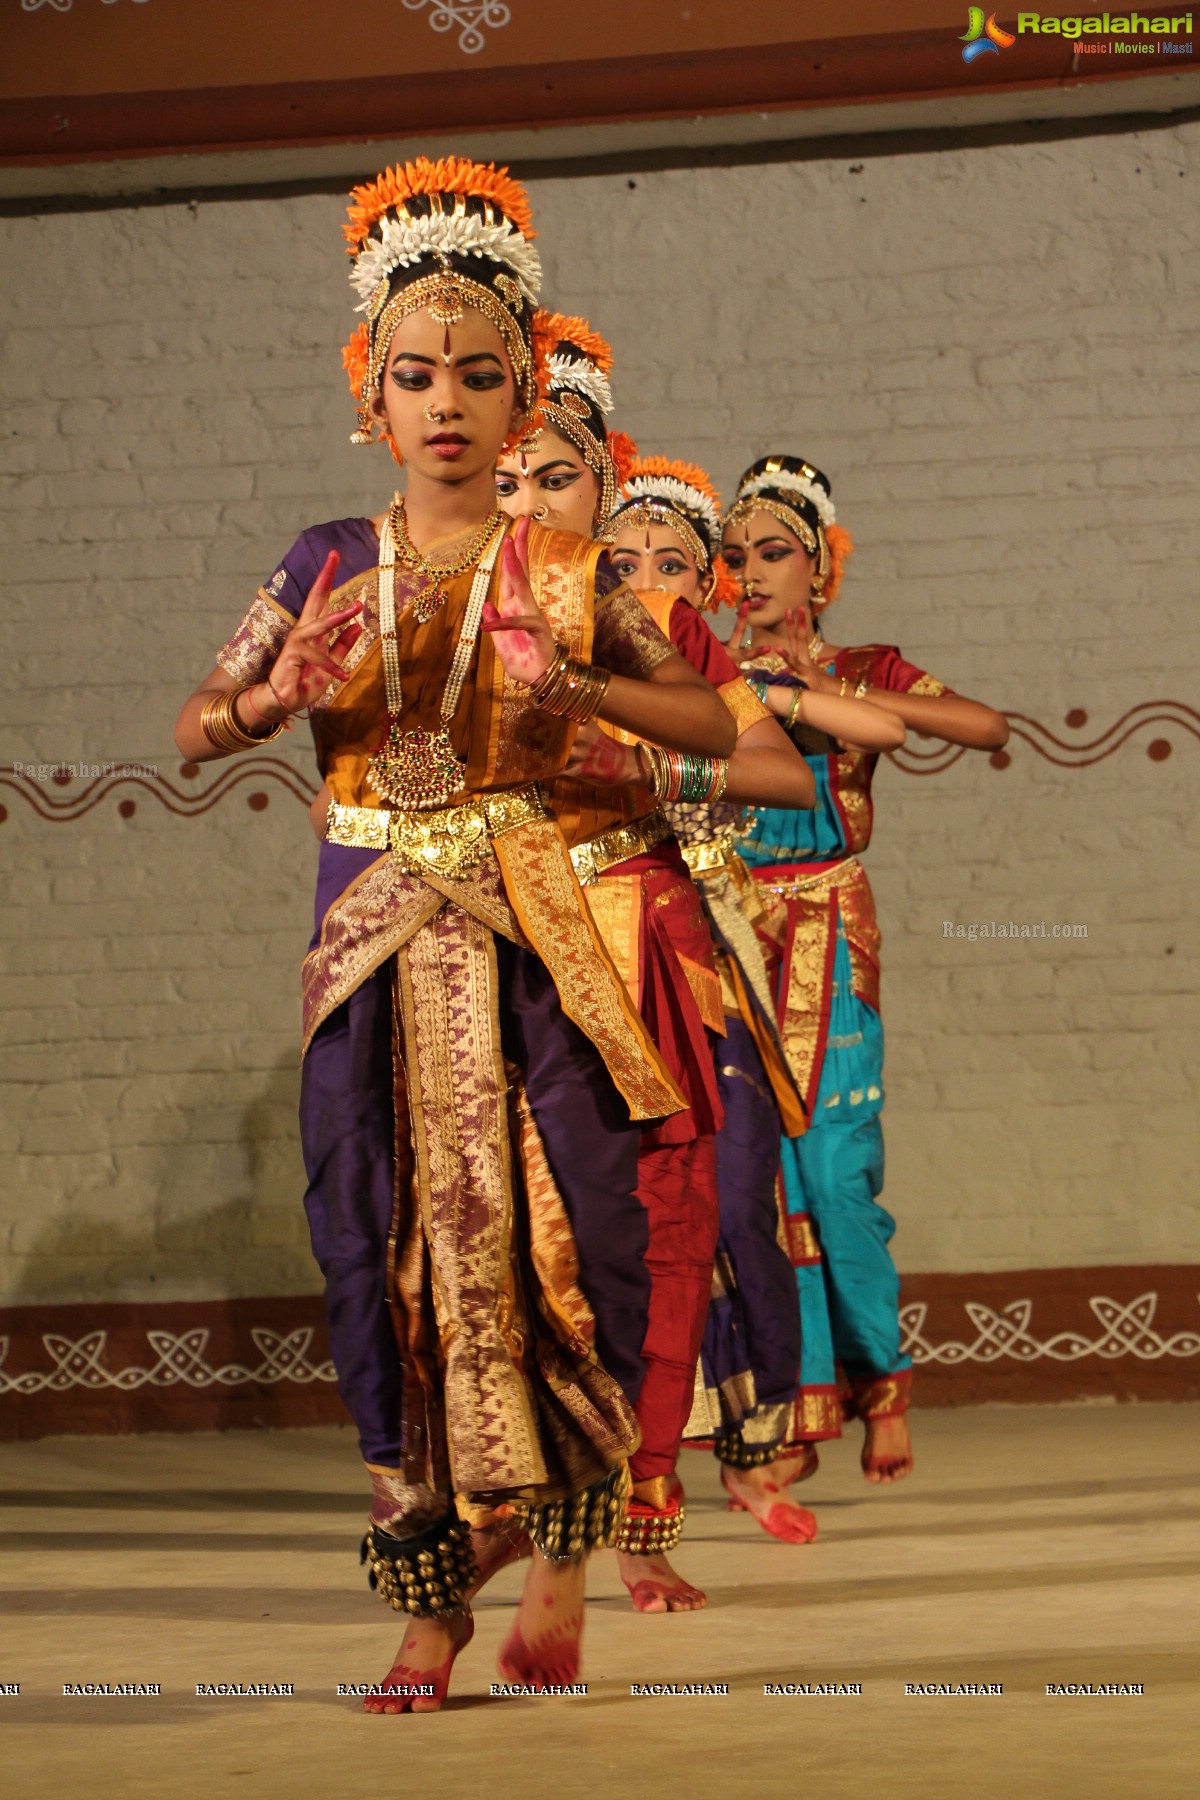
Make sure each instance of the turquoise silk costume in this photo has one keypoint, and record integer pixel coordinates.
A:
(823, 950)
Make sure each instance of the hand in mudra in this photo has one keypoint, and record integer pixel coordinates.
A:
(795, 633)
(739, 651)
(317, 645)
(520, 630)
(599, 759)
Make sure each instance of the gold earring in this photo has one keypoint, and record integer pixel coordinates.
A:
(363, 432)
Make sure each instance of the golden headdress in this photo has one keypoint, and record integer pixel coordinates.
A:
(800, 496)
(574, 364)
(679, 495)
(441, 236)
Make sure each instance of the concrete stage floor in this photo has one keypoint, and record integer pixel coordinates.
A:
(1033, 1545)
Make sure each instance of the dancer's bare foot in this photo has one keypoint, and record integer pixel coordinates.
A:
(654, 1587)
(542, 1650)
(419, 1678)
(761, 1493)
(887, 1449)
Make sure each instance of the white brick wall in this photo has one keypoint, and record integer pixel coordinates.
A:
(992, 351)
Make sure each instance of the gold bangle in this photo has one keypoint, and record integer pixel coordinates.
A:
(659, 779)
(793, 709)
(548, 679)
(569, 689)
(252, 737)
(223, 729)
(845, 683)
(720, 779)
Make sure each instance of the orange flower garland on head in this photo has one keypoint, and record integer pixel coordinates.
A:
(451, 175)
(623, 451)
(841, 546)
(554, 328)
(727, 589)
(689, 473)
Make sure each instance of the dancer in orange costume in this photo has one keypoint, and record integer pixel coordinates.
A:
(447, 664)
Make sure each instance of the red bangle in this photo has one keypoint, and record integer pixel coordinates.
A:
(286, 721)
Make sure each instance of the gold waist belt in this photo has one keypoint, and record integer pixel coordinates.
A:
(714, 853)
(831, 876)
(442, 841)
(618, 844)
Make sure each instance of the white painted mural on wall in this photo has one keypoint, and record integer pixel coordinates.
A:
(65, 5)
(1127, 1331)
(471, 17)
(178, 1359)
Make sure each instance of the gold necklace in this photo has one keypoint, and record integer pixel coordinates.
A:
(421, 768)
(426, 604)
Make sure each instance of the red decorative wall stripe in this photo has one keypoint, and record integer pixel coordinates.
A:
(1044, 1335)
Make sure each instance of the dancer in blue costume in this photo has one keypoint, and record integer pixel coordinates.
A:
(782, 541)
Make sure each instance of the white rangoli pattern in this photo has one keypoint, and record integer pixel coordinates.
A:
(64, 5)
(179, 1360)
(1127, 1331)
(471, 17)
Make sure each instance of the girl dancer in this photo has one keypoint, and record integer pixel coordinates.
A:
(446, 675)
(782, 541)
(768, 1374)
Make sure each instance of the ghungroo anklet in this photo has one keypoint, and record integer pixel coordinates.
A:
(588, 1520)
(737, 1454)
(647, 1530)
(427, 1574)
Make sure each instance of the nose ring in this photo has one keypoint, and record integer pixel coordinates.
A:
(433, 415)
(539, 512)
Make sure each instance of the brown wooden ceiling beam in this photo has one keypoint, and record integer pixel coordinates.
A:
(915, 65)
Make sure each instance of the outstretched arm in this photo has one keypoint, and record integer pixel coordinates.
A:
(951, 717)
(854, 723)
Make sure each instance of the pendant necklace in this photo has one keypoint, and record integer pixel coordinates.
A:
(420, 769)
